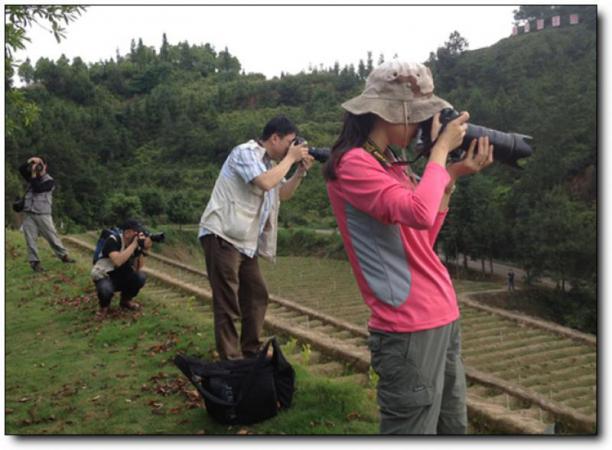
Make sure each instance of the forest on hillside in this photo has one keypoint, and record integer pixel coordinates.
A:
(145, 133)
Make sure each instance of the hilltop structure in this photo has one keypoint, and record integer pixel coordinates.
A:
(556, 21)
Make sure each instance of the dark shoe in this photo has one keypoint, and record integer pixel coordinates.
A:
(131, 305)
(36, 267)
(102, 313)
(67, 259)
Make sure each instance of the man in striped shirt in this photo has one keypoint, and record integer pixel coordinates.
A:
(240, 223)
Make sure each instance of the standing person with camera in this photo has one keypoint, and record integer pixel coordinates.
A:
(240, 223)
(37, 216)
(120, 267)
(389, 221)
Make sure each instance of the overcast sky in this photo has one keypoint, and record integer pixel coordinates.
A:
(275, 39)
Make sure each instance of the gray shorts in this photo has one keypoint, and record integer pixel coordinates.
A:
(421, 386)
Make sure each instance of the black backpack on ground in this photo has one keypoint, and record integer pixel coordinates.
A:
(243, 391)
(19, 204)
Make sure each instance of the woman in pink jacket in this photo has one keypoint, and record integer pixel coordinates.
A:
(389, 221)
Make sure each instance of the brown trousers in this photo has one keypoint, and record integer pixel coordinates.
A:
(239, 292)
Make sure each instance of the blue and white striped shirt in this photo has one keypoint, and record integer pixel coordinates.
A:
(246, 161)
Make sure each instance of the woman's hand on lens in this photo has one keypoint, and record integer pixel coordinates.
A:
(473, 162)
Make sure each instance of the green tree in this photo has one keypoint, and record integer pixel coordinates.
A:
(456, 44)
(17, 19)
(120, 207)
(369, 63)
(26, 71)
(180, 210)
(164, 52)
(153, 201)
(559, 239)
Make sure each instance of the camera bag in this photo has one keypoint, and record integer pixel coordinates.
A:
(243, 391)
(19, 204)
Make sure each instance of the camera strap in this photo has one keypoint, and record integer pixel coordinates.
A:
(373, 149)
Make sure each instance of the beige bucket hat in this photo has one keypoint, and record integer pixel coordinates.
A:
(398, 92)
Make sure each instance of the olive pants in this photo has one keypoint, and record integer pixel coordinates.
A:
(239, 293)
(421, 387)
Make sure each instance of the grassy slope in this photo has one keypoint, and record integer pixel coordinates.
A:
(66, 373)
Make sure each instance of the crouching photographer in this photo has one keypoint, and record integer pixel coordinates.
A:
(118, 263)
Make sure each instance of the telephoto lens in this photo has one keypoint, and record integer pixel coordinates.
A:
(508, 147)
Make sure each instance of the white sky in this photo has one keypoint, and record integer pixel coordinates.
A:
(271, 39)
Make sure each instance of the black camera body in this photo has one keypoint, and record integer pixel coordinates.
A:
(155, 237)
(38, 167)
(508, 147)
(320, 154)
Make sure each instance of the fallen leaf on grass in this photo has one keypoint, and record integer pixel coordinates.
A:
(163, 346)
(161, 390)
(66, 391)
(353, 415)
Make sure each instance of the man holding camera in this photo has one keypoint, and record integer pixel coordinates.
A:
(240, 223)
(120, 267)
(37, 211)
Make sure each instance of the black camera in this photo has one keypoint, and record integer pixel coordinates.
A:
(38, 167)
(155, 237)
(508, 147)
(320, 154)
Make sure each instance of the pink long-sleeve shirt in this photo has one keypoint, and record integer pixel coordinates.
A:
(389, 226)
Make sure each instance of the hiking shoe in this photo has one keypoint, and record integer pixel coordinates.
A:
(102, 313)
(67, 259)
(36, 267)
(131, 305)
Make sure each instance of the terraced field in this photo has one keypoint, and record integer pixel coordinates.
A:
(525, 375)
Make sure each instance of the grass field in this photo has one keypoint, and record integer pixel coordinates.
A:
(66, 373)
(325, 284)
